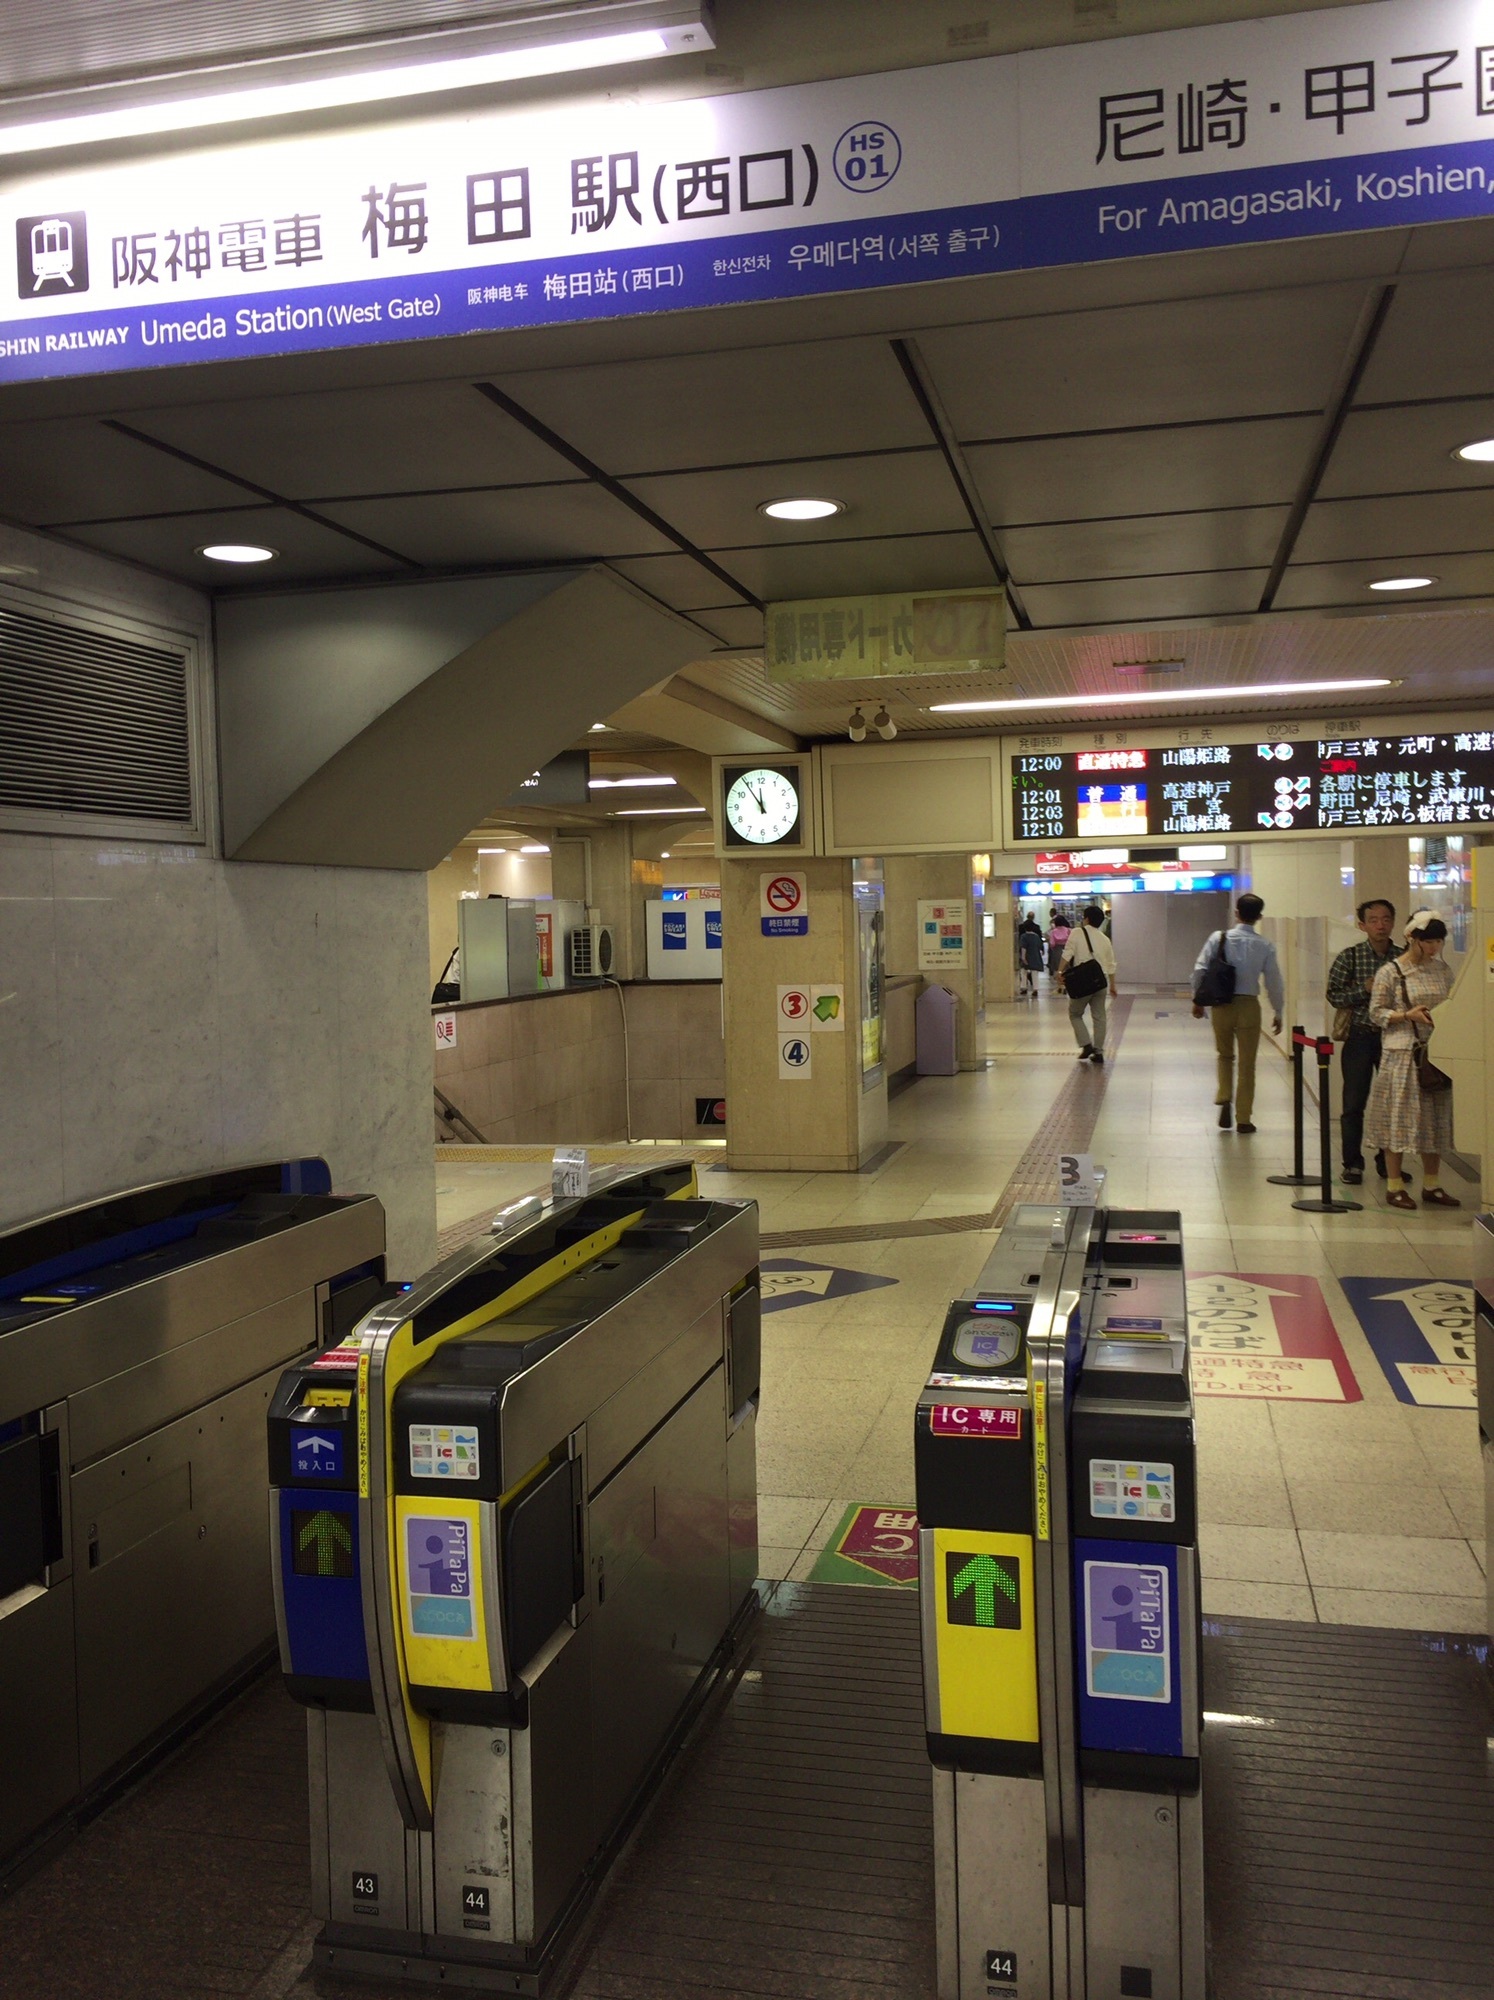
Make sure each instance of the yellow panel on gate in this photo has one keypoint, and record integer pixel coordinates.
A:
(986, 1634)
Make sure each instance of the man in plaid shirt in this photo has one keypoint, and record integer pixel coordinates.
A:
(1349, 983)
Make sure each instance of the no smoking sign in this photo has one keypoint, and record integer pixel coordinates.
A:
(783, 903)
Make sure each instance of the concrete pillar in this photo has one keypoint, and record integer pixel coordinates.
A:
(1382, 867)
(915, 878)
(825, 1120)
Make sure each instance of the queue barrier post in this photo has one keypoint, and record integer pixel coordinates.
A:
(1323, 1203)
(1298, 1177)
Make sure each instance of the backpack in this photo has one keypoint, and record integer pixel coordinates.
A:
(1216, 983)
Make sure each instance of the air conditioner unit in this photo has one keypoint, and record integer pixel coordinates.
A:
(591, 951)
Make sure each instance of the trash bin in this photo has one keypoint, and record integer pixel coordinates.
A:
(935, 1016)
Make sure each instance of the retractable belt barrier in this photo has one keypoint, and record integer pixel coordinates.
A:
(515, 1532)
(1059, 1593)
(1324, 1202)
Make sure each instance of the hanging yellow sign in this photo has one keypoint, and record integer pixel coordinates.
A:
(901, 632)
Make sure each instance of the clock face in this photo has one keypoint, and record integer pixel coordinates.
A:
(762, 807)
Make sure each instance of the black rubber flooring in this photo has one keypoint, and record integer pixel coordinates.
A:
(1349, 1827)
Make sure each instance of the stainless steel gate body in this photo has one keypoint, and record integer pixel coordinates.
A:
(140, 1338)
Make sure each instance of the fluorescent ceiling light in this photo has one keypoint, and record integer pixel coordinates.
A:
(535, 847)
(1402, 582)
(1129, 695)
(237, 552)
(1203, 854)
(649, 812)
(364, 86)
(599, 726)
(1480, 452)
(800, 510)
(492, 850)
(614, 784)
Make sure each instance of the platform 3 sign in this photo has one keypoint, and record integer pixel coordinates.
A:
(1349, 118)
(1421, 1331)
(1266, 1334)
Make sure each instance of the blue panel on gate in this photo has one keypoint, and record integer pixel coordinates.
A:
(674, 930)
(1126, 1631)
(320, 1584)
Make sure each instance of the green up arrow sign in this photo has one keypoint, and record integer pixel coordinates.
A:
(984, 1575)
(328, 1534)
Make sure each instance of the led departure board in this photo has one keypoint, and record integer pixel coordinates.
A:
(1246, 790)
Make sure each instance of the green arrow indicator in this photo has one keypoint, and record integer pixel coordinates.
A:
(985, 1576)
(827, 1006)
(328, 1536)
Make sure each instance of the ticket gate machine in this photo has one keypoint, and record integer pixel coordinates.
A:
(140, 1337)
(515, 1537)
(1059, 1592)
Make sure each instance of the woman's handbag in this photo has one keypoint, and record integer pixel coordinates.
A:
(1343, 1024)
(1084, 976)
(1431, 1079)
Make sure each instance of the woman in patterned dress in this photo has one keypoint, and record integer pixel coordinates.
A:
(1400, 1115)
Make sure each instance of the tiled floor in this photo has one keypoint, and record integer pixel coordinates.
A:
(1367, 1512)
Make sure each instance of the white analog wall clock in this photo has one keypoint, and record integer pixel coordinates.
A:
(762, 804)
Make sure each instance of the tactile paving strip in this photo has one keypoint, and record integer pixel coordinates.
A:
(1068, 1128)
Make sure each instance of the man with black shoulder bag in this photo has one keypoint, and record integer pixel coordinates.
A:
(1086, 976)
(1226, 985)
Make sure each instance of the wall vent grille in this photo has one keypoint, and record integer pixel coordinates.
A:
(94, 723)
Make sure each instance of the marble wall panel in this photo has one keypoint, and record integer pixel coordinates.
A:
(32, 1181)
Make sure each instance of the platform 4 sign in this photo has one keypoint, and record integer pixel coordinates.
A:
(1266, 1334)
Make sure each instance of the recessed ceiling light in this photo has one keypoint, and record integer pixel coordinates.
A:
(1267, 690)
(238, 552)
(614, 784)
(1480, 452)
(1148, 666)
(600, 726)
(800, 510)
(1402, 582)
(534, 847)
(656, 812)
(492, 850)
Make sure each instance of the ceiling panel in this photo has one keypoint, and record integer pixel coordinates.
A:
(78, 469)
(1435, 340)
(742, 627)
(1409, 450)
(709, 409)
(1208, 466)
(676, 580)
(1183, 361)
(837, 569)
(1387, 529)
(1325, 585)
(306, 550)
(414, 436)
(906, 493)
(521, 524)
(1129, 600)
(1146, 545)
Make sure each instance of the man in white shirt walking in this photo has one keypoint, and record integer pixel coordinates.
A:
(1237, 1021)
(1088, 991)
